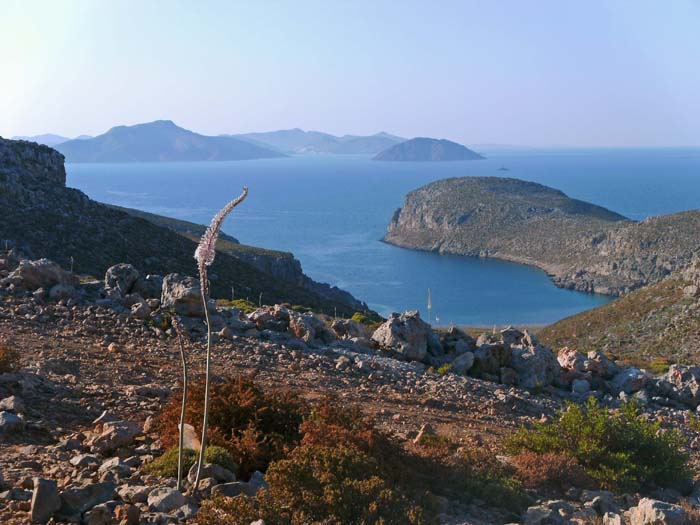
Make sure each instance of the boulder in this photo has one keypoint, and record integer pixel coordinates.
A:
(683, 384)
(12, 404)
(76, 500)
(10, 422)
(45, 500)
(456, 341)
(149, 287)
(63, 291)
(134, 493)
(462, 363)
(608, 369)
(409, 336)
(114, 434)
(40, 274)
(347, 329)
(120, 279)
(535, 365)
(166, 499)
(654, 512)
(511, 336)
(571, 359)
(212, 470)
(489, 358)
(580, 386)
(141, 311)
(310, 329)
(183, 294)
(275, 318)
(630, 380)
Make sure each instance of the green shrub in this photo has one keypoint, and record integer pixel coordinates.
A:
(444, 369)
(166, 465)
(337, 485)
(621, 450)
(245, 306)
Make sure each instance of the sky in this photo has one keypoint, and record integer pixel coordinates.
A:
(540, 72)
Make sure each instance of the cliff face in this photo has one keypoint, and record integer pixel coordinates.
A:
(45, 219)
(581, 246)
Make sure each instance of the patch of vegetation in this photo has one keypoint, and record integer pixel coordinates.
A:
(166, 465)
(619, 449)
(9, 360)
(243, 305)
(256, 427)
(551, 470)
(444, 369)
(434, 441)
(370, 320)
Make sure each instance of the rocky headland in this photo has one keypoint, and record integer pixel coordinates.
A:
(580, 245)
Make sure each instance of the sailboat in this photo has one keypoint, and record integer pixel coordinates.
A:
(430, 305)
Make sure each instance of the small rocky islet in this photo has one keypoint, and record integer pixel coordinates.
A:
(97, 362)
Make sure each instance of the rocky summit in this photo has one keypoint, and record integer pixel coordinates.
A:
(423, 149)
(43, 218)
(580, 245)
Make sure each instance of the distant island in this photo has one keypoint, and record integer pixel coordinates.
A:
(427, 150)
(298, 141)
(161, 140)
(580, 245)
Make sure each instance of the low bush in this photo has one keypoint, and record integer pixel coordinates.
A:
(552, 470)
(166, 465)
(620, 449)
(319, 485)
(254, 426)
(9, 360)
(444, 369)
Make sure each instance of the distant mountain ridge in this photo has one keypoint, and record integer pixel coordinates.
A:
(299, 141)
(160, 141)
(422, 149)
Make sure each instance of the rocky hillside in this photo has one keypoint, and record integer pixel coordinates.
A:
(43, 218)
(652, 326)
(425, 149)
(580, 245)
(158, 141)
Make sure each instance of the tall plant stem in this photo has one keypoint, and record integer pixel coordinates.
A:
(205, 423)
(181, 443)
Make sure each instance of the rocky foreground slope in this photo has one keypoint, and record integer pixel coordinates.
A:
(43, 218)
(98, 363)
(580, 245)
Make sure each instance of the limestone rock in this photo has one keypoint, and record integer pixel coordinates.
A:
(45, 500)
(408, 335)
(120, 279)
(183, 294)
(654, 512)
(40, 274)
(165, 499)
(76, 500)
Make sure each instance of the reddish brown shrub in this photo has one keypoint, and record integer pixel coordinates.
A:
(550, 471)
(256, 427)
(9, 360)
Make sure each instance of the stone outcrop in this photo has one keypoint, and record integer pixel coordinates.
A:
(409, 336)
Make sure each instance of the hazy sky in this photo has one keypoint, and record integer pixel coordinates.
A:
(516, 72)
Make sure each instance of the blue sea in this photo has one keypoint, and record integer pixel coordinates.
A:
(332, 211)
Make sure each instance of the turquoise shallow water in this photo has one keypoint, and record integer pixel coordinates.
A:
(331, 212)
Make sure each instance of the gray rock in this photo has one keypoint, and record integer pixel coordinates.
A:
(347, 329)
(40, 274)
(45, 500)
(120, 279)
(10, 422)
(115, 465)
(310, 329)
(462, 363)
(535, 365)
(230, 490)
(149, 287)
(183, 294)
(212, 470)
(630, 380)
(63, 291)
(76, 500)
(683, 384)
(166, 499)
(140, 311)
(134, 493)
(580, 386)
(84, 460)
(408, 335)
(12, 404)
(115, 434)
(489, 358)
(654, 512)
